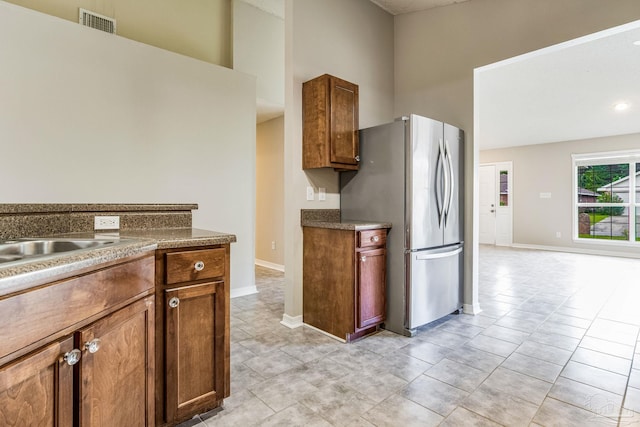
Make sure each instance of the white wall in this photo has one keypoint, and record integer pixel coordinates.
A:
(437, 50)
(258, 49)
(270, 191)
(352, 40)
(87, 117)
(548, 168)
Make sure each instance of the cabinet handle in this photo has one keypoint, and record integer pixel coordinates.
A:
(174, 302)
(72, 357)
(92, 346)
(375, 238)
(357, 158)
(363, 258)
(199, 265)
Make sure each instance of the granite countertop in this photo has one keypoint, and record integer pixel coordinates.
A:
(347, 225)
(330, 218)
(15, 277)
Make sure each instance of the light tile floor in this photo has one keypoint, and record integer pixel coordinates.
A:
(555, 345)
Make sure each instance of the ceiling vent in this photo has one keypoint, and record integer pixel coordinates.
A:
(97, 21)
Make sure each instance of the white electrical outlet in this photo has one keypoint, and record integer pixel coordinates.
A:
(273, 245)
(322, 193)
(106, 223)
(310, 195)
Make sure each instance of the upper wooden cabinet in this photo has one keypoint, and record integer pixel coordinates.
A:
(330, 124)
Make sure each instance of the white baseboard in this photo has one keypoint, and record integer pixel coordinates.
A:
(576, 250)
(240, 292)
(291, 322)
(270, 265)
(471, 308)
(325, 333)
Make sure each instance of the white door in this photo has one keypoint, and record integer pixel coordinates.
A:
(496, 204)
(504, 204)
(488, 204)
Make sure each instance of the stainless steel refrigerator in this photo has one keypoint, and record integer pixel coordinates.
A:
(411, 174)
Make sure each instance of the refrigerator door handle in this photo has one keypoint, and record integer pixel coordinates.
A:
(438, 184)
(450, 182)
(440, 255)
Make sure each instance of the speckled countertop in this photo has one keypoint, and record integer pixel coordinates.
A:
(18, 276)
(330, 218)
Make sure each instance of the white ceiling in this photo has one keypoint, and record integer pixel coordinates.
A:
(566, 92)
(397, 7)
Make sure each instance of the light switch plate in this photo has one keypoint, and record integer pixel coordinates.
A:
(322, 193)
(310, 194)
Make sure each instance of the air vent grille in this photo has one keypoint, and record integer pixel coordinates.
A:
(97, 21)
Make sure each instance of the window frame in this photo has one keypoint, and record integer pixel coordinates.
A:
(630, 157)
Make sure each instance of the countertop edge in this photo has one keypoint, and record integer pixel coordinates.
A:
(347, 225)
(22, 276)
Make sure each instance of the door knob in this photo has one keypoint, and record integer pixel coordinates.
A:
(72, 357)
(93, 346)
(174, 302)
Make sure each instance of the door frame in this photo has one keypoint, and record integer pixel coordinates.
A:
(504, 214)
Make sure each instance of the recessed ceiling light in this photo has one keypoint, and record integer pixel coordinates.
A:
(621, 106)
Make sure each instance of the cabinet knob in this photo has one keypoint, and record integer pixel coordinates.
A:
(72, 357)
(375, 238)
(199, 265)
(174, 302)
(357, 158)
(92, 346)
(363, 258)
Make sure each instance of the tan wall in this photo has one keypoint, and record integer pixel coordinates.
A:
(270, 190)
(197, 28)
(437, 50)
(352, 40)
(548, 168)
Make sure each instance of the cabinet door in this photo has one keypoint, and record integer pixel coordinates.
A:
(194, 348)
(37, 390)
(344, 122)
(116, 371)
(370, 298)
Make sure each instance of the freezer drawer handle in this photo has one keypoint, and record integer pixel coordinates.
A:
(440, 255)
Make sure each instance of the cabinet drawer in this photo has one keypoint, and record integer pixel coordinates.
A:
(194, 265)
(369, 238)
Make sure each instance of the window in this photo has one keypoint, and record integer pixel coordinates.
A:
(504, 188)
(607, 197)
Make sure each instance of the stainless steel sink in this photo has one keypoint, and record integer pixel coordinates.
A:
(20, 249)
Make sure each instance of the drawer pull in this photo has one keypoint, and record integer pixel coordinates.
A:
(363, 258)
(199, 265)
(375, 238)
(72, 357)
(93, 346)
(174, 302)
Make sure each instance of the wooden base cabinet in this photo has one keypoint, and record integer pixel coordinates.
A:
(192, 332)
(84, 356)
(344, 280)
(38, 389)
(114, 368)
